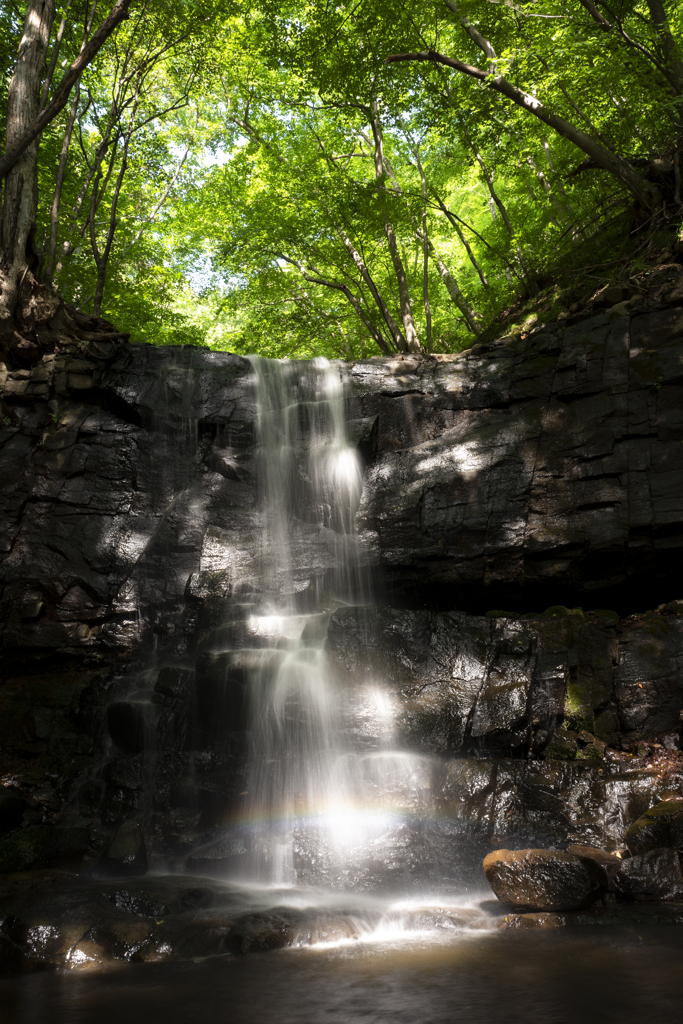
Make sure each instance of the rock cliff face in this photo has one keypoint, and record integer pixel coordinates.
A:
(535, 471)
(503, 685)
(523, 472)
(545, 468)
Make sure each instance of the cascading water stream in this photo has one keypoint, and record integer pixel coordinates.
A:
(311, 481)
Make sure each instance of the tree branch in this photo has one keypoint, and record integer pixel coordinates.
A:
(118, 13)
(647, 194)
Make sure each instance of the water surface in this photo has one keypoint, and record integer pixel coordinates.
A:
(573, 976)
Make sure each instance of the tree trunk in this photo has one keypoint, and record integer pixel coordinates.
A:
(57, 194)
(494, 198)
(45, 91)
(20, 195)
(468, 248)
(669, 48)
(317, 278)
(102, 259)
(412, 342)
(425, 269)
(394, 330)
(470, 314)
(31, 314)
(66, 143)
(33, 129)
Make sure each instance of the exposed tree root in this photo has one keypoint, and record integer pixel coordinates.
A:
(44, 323)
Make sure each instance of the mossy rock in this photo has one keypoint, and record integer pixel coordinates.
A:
(661, 826)
(589, 753)
(604, 615)
(560, 611)
(578, 707)
(28, 846)
(39, 844)
(606, 726)
(561, 747)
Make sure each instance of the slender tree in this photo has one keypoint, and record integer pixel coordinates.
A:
(22, 300)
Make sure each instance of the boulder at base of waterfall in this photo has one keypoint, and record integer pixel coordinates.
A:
(609, 862)
(654, 875)
(544, 879)
(288, 926)
(661, 826)
(126, 854)
(617, 914)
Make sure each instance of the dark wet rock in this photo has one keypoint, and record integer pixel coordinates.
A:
(41, 844)
(131, 724)
(466, 681)
(602, 857)
(67, 921)
(563, 746)
(25, 848)
(287, 926)
(126, 854)
(519, 466)
(659, 826)
(525, 467)
(12, 806)
(174, 682)
(432, 918)
(462, 808)
(271, 929)
(219, 857)
(522, 474)
(544, 879)
(621, 915)
(654, 875)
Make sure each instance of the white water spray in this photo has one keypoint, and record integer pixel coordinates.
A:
(312, 799)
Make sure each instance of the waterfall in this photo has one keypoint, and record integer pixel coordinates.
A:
(278, 768)
(310, 481)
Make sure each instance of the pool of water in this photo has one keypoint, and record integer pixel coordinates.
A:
(566, 976)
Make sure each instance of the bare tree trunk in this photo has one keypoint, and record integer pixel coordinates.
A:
(102, 259)
(412, 342)
(545, 185)
(20, 195)
(317, 278)
(468, 248)
(470, 314)
(66, 143)
(31, 130)
(488, 178)
(394, 330)
(45, 92)
(57, 194)
(582, 114)
(425, 269)
(595, 14)
(669, 48)
(495, 198)
(73, 231)
(557, 183)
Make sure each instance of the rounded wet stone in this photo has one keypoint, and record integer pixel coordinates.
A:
(544, 879)
(661, 826)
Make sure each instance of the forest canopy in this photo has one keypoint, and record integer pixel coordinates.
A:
(343, 178)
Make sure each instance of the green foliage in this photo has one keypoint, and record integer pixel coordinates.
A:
(252, 213)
